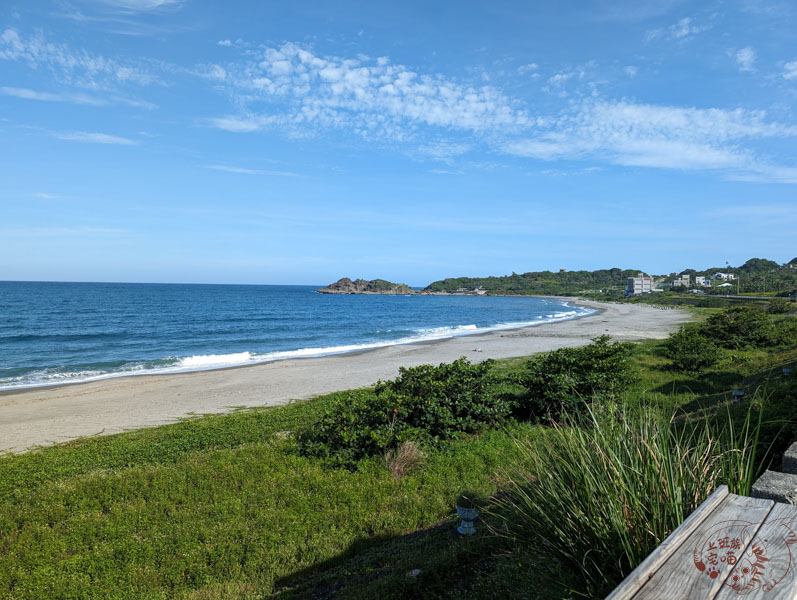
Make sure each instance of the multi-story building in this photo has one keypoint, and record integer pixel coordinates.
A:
(682, 280)
(702, 281)
(639, 285)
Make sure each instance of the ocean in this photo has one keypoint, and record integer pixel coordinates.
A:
(55, 333)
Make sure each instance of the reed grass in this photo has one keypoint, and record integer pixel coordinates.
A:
(596, 497)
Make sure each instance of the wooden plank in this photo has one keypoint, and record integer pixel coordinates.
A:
(697, 568)
(648, 567)
(767, 568)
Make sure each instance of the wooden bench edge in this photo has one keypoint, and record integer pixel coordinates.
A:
(639, 576)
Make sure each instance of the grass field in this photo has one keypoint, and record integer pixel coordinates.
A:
(223, 506)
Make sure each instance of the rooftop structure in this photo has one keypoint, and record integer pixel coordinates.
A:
(723, 276)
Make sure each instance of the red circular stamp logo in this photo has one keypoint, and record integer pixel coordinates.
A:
(747, 556)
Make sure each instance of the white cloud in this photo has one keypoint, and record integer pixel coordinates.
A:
(373, 98)
(211, 71)
(96, 138)
(685, 28)
(27, 94)
(444, 172)
(244, 171)
(46, 196)
(76, 67)
(142, 5)
(790, 70)
(64, 231)
(630, 70)
(658, 136)
(682, 30)
(224, 43)
(244, 124)
(746, 58)
(444, 150)
(74, 98)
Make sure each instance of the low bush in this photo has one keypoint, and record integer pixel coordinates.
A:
(778, 306)
(740, 327)
(565, 379)
(786, 331)
(690, 350)
(713, 302)
(425, 403)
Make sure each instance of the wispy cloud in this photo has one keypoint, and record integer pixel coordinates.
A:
(684, 29)
(95, 138)
(790, 70)
(27, 94)
(244, 171)
(445, 119)
(635, 10)
(444, 150)
(770, 212)
(74, 98)
(659, 136)
(64, 231)
(746, 58)
(242, 124)
(76, 67)
(47, 196)
(142, 5)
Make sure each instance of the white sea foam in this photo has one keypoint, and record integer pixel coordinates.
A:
(204, 361)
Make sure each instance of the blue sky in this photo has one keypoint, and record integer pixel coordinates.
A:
(188, 141)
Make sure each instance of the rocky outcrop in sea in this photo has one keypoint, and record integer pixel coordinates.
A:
(361, 286)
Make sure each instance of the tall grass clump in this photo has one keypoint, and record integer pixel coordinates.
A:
(597, 496)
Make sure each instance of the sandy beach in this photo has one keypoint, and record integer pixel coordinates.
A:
(45, 416)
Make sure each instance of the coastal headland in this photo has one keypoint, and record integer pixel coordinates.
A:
(45, 416)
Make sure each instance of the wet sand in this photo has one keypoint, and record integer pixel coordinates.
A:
(45, 416)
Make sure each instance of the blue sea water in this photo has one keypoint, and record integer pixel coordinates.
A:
(54, 333)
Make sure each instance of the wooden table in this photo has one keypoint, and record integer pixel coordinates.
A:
(730, 547)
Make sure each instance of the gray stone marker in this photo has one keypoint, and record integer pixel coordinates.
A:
(780, 487)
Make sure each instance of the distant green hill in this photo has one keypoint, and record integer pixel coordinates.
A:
(544, 283)
(757, 275)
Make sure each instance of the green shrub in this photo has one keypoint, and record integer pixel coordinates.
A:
(713, 302)
(690, 350)
(596, 499)
(565, 379)
(778, 306)
(424, 403)
(740, 327)
(786, 331)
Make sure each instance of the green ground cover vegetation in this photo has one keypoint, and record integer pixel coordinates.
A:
(344, 495)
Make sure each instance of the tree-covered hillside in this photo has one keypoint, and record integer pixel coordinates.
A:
(545, 283)
(757, 275)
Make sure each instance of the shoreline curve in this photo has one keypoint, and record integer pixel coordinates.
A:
(43, 416)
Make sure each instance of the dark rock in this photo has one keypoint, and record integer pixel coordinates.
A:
(361, 286)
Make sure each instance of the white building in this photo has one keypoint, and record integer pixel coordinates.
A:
(702, 281)
(639, 285)
(723, 276)
(682, 280)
